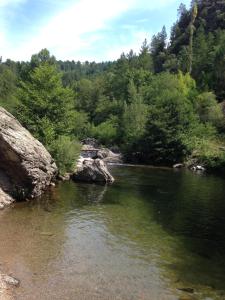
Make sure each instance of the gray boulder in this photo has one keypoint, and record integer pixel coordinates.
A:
(92, 170)
(26, 167)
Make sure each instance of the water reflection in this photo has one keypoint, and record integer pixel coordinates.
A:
(150, 233)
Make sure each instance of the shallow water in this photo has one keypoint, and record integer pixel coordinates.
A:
(151, 233)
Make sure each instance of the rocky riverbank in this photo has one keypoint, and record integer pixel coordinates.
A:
(26, 170)
(26, 167)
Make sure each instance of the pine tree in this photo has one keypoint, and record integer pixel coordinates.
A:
(192, 28)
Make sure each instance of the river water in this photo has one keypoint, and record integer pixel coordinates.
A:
(154, 234)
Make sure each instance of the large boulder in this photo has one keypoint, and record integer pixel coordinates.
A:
(92, 170)
(26, 167)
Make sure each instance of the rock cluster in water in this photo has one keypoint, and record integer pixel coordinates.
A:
(26, 167)
(92, 170)
(92, 149)
(92, 164)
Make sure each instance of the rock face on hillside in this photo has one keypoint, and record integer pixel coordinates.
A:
(92, 170)
(26, 167)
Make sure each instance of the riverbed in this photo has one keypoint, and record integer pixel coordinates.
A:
(154, 234)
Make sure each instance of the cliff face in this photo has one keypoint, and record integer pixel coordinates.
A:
(26, 167)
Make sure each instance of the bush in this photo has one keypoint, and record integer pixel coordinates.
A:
(65, 151)
(209, 110)
(205, 147)
(106, 132)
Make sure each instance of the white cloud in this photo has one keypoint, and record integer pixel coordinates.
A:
(64, 34)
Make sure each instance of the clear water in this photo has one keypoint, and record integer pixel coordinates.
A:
(151, 233)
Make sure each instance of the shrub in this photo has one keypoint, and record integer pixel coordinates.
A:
(65, 152)
(106, 132)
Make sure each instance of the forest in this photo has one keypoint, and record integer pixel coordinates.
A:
(160, 106)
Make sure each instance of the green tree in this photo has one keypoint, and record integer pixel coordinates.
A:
(134, 118)
(158, 50)
(209, 110)
(46, 108)
(192, 28)
(170, 115)
(145, 58)
(8, 87)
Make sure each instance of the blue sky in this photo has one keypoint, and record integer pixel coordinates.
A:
(82, 30)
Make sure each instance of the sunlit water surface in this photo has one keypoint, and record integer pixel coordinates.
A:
(150, 234)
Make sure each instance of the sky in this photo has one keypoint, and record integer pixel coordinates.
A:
(93, 30)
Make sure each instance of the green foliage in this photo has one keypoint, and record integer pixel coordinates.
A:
(8, 86)
(46, 108)
(161, 105)
(158, 50)
(205, 146)
(106, 132)
(209, 110)
(65, 151)
(171, 113)
(45, 103)
(134, 118)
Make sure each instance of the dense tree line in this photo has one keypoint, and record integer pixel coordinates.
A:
(159, 106)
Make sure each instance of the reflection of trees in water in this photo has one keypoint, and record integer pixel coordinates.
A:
(173, 220)
(178, 216)
(191, 208)
(90, 193)
(40, 224)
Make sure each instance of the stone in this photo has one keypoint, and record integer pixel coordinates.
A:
(5, 199)
(11, 280)
(64, 177)
(92, 170)
(198, 168)
(26, 167)
(109, 157)
(178, 166)
(187, 290)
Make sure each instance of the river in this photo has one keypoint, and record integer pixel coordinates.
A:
(154, 234)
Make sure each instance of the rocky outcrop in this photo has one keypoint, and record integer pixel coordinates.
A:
(89, 151)
(92, 170)
(26, 167)
(110, 157)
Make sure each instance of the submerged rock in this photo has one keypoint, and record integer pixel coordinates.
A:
(26, 167)
(92, 170)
